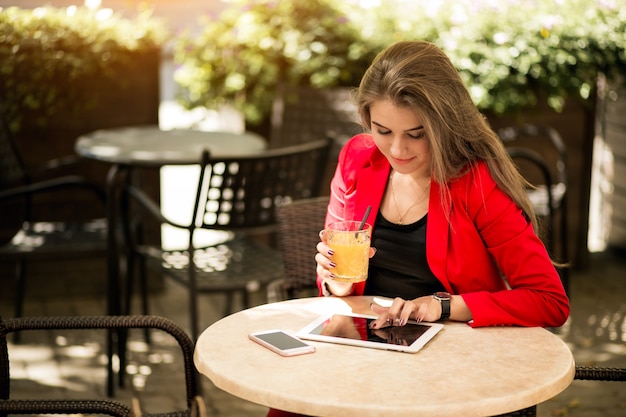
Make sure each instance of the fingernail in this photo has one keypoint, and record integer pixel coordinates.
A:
(333, 265)
(373, 325)
(331, 252)
(331, 276)
(402, 322)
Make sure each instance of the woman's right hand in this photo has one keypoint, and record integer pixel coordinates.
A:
(324, 258)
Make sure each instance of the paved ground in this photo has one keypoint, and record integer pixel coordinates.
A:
(69, 364)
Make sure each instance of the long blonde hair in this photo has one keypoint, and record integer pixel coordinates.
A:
(419, 76)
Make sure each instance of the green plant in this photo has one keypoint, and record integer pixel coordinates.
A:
(48, 54)
(248, 52)
(511, 53)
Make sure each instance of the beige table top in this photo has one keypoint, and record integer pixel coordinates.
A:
(149, 145)
(462, 371)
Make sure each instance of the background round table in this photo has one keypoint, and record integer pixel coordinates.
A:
(151, 146)
(462, 371)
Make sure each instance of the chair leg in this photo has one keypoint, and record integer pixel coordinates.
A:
(143, 277)
(122, 340)
(122, 334)
(110, 352)
(145, 308)
(20, 283)
(131, 264)
(193, 315)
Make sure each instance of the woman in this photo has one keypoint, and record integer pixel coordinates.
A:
(450, 211)
(453, 230)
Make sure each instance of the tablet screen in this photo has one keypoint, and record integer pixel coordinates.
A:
(358, 328)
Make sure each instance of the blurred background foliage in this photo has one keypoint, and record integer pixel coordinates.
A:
(49, 55)
(511, 53)
(244, 54)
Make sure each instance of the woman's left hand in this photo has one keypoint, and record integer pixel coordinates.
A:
(401, 311)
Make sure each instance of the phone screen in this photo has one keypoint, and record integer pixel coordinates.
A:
(281, 340)
(358, 328)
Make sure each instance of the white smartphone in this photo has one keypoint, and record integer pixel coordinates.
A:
(281, 342)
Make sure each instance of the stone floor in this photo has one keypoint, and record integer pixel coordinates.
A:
(70, 364)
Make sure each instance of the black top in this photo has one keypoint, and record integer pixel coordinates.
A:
(399, 267)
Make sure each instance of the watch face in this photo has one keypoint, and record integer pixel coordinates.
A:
(442, 295)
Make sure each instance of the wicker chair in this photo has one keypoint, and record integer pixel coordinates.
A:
(236, 195)
(30, 407)
(299, 224)
(21, 189)
(100, 406)
(600, 373)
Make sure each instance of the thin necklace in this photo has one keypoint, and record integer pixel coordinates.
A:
(395, 203)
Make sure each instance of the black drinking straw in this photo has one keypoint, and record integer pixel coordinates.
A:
(367, 213)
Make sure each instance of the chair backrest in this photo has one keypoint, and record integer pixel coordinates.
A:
(240, 194)
(537, 171)
(91, 407)
(304, 114)
(545, 142)
(99, 322)
(600, 373)
(299, 224)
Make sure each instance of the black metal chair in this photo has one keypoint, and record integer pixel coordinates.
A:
(541, 156)
(99, 406)
(299, 224)
(237, 195)
(35, 239)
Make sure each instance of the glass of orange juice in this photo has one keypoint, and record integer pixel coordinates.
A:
(351, 250)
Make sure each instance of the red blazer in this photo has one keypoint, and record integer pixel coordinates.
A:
(481, 247)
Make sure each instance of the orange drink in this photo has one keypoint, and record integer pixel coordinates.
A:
(351, 250)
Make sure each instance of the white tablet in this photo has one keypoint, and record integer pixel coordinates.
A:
(354, 329)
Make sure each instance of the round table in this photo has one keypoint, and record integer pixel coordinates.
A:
(462, 371)
(151, 146)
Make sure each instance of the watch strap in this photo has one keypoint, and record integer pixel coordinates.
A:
(444, 299)
(445, 309)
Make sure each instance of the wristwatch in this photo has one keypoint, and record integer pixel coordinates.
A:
(444, 298)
